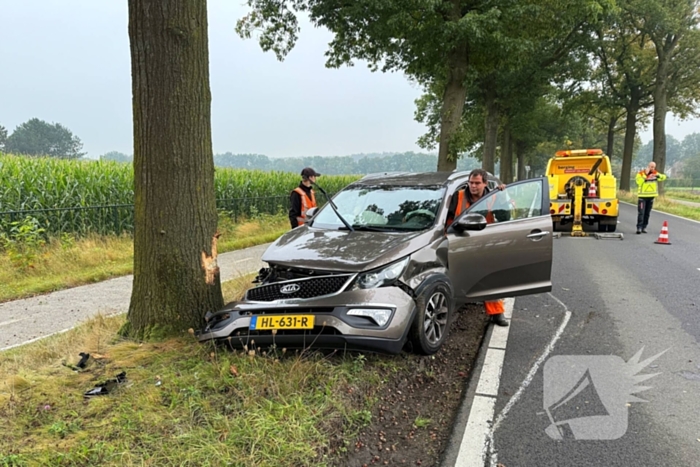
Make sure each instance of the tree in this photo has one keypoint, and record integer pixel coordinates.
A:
(38, 138)
(3, 137)
(431, 41)
(669, 23)
(691, 170)
(176, 278)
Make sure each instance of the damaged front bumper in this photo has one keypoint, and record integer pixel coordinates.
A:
(341, 321)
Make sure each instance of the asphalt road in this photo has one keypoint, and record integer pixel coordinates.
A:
(619, 297)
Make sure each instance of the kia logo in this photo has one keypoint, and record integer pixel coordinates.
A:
(290, 288)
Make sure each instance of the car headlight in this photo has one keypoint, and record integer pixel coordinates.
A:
(382, 277)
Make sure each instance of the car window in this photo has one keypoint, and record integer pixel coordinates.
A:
(520, 201)
(390, 207)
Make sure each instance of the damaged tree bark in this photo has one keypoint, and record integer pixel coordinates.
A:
(176, 277)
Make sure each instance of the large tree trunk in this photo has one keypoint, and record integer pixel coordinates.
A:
(488, 163)
(660, 111)
(452, 106)
(520, 149)
(611, 135)
(630, 133)
(176, 278)
(507, 155)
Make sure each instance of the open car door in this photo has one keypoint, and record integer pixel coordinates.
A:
(502, 245)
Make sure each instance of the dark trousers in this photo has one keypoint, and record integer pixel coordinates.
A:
(643, 210)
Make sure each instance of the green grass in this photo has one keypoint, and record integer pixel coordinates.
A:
(664, 204)
(69, 262)
(184, 403)
(687, 195)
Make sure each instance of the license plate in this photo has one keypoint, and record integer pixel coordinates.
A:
(263, 322)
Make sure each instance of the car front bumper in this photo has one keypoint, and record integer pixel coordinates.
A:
(333, 328)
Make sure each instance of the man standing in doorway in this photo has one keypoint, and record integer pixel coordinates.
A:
(647, 189)
(302, 198)
(478, 188)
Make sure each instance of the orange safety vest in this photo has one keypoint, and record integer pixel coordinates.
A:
(306, 204)
(463, 204)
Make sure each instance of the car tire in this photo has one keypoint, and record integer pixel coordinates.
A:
(432, 322)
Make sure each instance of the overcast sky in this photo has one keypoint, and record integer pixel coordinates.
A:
(67, 61)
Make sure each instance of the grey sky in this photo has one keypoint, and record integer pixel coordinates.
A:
(67, 61)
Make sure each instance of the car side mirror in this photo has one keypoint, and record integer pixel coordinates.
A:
(311, 212)
(471, 221)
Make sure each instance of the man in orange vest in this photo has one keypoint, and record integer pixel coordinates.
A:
(460, 202)
(302, 198)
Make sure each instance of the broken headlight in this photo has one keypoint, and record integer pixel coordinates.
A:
(382, 277)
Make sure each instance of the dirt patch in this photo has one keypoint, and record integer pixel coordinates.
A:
(412, 419)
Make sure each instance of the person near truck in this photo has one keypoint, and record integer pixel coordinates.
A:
(647, 189)
(460, 202)
(302, 198)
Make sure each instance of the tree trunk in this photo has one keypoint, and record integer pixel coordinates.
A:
(176, 278)
(507, 155)
(488, 163)
(452, 107)
(522, 173)
(611, 136)
(665, 46)
(630, 133)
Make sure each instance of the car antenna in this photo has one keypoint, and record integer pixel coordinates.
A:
(333, 206)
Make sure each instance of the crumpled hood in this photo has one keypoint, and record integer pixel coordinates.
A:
(342, 250)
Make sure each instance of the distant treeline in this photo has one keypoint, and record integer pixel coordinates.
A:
(336, 165)
(341, 165)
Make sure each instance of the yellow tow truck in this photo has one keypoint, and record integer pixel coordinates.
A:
(583, 189)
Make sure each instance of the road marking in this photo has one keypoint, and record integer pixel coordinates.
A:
(241, 260)
(5, 323)
(474, 445)
(526, 382)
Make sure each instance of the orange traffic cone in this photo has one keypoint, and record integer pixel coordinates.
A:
(592, 191)
(663, 236)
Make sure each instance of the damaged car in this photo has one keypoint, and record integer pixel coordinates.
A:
(383, 264)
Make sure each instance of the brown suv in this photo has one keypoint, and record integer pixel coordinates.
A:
(378, 266)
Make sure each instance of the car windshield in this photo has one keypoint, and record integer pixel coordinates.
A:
(383, 208)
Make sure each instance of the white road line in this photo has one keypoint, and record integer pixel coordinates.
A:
(526, 382)
(34, 340)
(241, 260)
(5, 323)
(474, 445)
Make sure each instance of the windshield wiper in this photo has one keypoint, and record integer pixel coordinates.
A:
(335, 209)
(369, 228)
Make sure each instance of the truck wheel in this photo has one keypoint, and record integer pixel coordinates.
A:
(431, 324)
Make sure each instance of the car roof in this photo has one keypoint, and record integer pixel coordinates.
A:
(416, 179)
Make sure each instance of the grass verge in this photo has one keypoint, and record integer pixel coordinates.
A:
(687, 195)
(183, 403)
(664, 204)
(68, 262)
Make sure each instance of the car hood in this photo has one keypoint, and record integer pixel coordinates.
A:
(342, 250)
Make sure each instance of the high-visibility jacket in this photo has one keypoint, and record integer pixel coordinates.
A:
(647, 185)
(463, 204)
(306, 204)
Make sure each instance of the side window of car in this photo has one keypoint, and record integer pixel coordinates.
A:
(452, 206)
(521, 201)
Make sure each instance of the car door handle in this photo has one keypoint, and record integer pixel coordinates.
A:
(538, 234)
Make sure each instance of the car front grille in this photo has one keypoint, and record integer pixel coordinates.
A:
(307, 288)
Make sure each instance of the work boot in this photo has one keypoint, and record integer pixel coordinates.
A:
(644, 230)
(639, 231)
(499, 319)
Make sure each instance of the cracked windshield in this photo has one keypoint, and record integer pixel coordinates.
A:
(385, 208)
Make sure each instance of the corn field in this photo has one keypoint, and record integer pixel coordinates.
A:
(97, 196)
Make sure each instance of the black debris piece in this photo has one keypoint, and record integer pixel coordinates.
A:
(105, 388)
